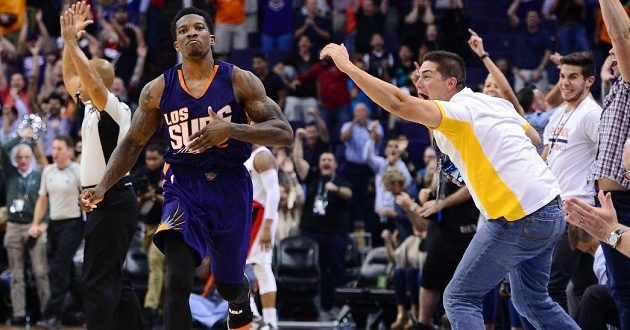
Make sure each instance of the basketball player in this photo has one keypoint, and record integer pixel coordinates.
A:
(204, 107)
(262, 168)
(491, 146)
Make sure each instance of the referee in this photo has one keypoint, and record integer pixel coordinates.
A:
(108, 298)
(59, 188)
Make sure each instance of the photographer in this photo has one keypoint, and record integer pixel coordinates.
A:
(22, 192)
(325, 219)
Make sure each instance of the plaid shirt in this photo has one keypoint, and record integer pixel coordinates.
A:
(614, 130)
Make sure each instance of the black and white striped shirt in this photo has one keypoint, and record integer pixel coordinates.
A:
(101, 131)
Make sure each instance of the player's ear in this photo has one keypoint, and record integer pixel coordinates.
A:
(175, 46)
(212, 40)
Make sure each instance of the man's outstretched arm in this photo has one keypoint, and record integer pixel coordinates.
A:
(144, 123)
(388, 96)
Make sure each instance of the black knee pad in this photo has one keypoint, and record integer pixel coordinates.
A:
(234, 293)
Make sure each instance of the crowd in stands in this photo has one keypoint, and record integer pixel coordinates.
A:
(353, 168)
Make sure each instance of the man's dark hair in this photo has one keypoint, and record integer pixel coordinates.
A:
(155, 148)
(56, 96)
(526, 97)
(581, 59)
(66, 139)
(191, 11)
(449, 65)
(260, 55)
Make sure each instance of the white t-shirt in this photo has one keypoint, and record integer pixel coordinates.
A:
(599, 266)
(62, 188)
(485, 138)
(572, 138)
(112, 124)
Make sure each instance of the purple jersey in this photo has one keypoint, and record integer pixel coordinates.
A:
(183, 115)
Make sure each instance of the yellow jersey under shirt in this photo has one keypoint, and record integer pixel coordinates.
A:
(485, 138)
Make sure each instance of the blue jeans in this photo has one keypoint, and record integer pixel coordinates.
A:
(521, 249)
(617, 264)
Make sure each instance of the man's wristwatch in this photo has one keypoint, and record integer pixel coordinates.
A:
(614, 238)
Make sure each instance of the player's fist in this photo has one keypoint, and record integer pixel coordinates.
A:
(89, 198)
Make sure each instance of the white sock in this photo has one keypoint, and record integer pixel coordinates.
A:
(252, 304)
(270, 317)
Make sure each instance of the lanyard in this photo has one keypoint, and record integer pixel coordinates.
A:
(323, 193)
(560, 127)
(24, 186)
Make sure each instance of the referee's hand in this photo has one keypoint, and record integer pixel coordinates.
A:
(89, 198)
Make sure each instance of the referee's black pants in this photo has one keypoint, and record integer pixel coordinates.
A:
(109, 300)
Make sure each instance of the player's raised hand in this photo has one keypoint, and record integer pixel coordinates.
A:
(89, 198)
(215, 133)
(339, 55)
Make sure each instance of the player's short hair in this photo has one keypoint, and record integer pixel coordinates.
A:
(65, 139)
(449, 65)
(191, 11)
(577, 235)
(155, 148)
(581, 59)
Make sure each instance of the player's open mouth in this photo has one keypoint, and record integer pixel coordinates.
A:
(424, 96)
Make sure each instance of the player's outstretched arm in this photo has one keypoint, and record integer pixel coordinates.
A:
(618, 25)
(270, 126)
(388, 96)
(144, 123)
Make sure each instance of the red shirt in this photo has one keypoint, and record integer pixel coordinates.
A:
(332, 85)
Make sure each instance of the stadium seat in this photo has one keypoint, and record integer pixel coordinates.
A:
(297, 277)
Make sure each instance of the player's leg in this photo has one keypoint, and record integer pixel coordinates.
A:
(267, 288)
(180, 273)
(230, 243)
(239, 309)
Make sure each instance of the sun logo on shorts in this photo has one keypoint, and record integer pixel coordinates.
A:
(173, 221)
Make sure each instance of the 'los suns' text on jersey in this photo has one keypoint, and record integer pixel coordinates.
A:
(181, 126)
